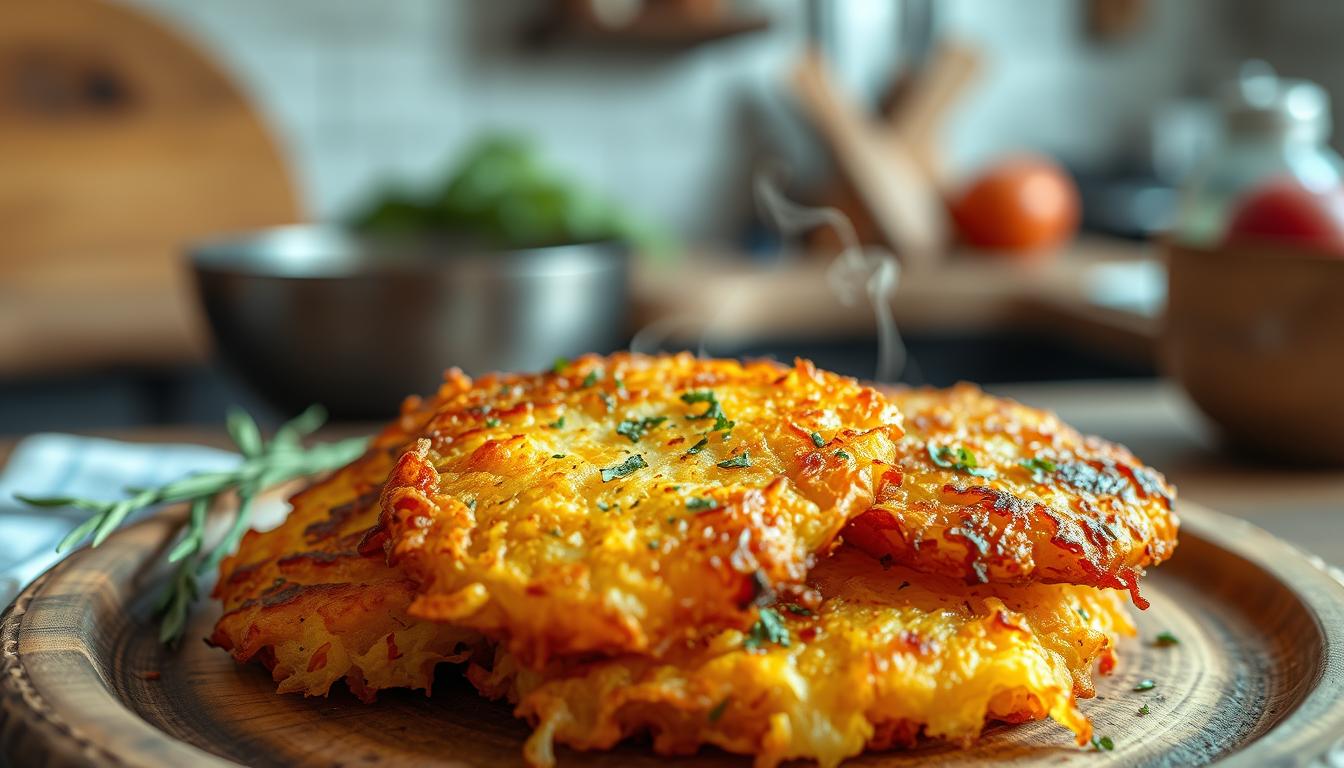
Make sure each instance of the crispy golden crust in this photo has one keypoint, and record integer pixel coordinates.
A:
(303, 600)
(1033, 500)
(525, 513)
(885, 657)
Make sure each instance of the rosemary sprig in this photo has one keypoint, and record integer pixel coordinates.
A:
(264, 465)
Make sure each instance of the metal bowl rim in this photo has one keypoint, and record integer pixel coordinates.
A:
(254, 255)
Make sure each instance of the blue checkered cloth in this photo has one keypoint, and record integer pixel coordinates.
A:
(68, 465)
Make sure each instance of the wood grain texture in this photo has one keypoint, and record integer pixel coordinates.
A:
(122, 143)
(1256, 679)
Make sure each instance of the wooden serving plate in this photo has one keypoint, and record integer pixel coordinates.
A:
(1256, 679)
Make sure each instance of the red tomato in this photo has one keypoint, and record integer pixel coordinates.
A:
(1283, 211)
(1020, 205)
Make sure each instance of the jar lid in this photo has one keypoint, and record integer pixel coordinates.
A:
(1260, 102)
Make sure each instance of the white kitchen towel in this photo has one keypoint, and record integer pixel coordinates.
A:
(69, 465)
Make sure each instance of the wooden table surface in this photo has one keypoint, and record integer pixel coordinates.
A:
(1304, 506)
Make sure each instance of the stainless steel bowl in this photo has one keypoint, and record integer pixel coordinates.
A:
(314, 314)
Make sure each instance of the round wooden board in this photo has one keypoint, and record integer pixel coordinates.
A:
(1256, 679)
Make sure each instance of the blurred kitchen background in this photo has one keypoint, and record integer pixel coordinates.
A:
(1022, 160)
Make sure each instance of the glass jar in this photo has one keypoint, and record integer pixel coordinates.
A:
(1273, 127)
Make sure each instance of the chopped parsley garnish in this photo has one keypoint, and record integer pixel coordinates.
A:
(560, 364)
(1165, 639)
(609, 401)
(712, 411)
(1144, 710)
(620, 382)
(592, 378)
(558, 423)
(1145, 684)
(1103, 744)
(742, 459)
(492, 422)
(797, 610)
(634, 429)
(769, 628)
(1038, 465)
(959, 459)
(818, 440)
(698, 447)
(557, 455)
(604, 506)
(716, 713)
(654, 544)
(701, 504)
(624, 469)
(842, 455)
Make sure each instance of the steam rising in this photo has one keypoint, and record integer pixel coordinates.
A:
(854, 272)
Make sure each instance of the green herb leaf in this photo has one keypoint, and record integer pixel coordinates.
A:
(558, 423)
(604, 506)
(842, 455)
(712, 411)
(624, 469)
(818, 440)
(1039, 465)
(557, 455)
(492, 422)
(654, 544)
(769, 628)
(1144, 710)
(698, 447)
(560, 364)
(1103, 744)
(1165, 639)
(634, 429)
(701, 504)
(957, 458)
(1145, 685)
(716, 713)
(797, 610)
(742, 459)
(244, 431)
(592, 377)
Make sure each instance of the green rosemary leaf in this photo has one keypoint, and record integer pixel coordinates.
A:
(244, 431)
(235, 533)
(80, 531)
(195, 533)
(304, 424)
(114, 517)
(743, 459)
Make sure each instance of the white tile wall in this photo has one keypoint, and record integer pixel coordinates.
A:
(361, 91)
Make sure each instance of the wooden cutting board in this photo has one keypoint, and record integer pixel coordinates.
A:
(121, 142)
(1256, 679)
